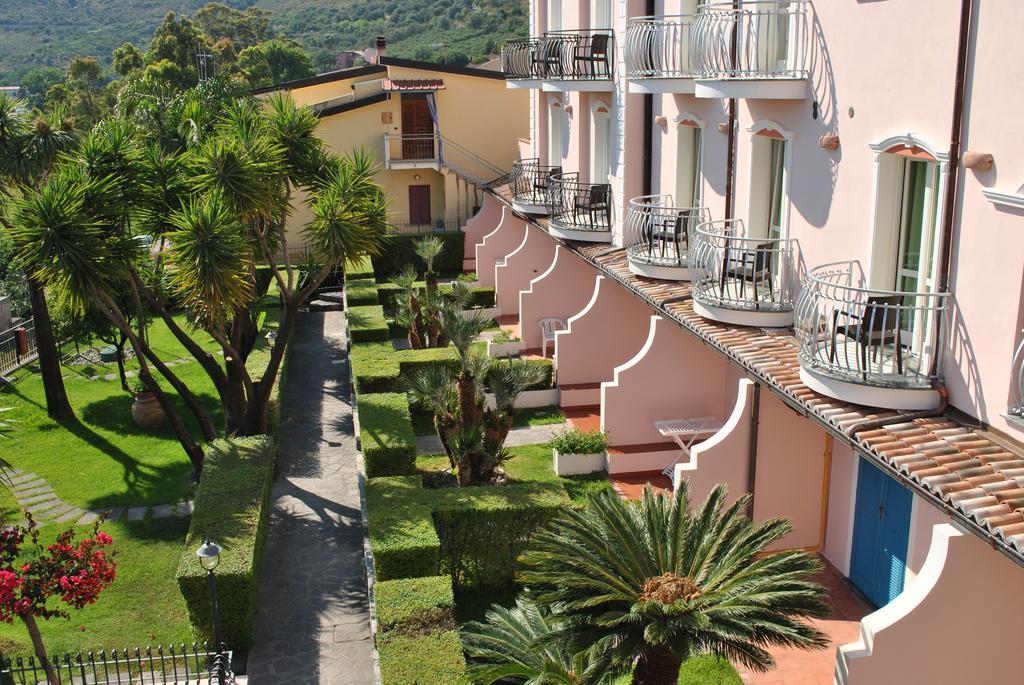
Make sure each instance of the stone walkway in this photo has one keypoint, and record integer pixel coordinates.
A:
(530, 435)
(313, 624)
(35, 496)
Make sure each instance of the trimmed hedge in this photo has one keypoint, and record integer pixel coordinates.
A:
(400, 250)
(402, 536)
(375, 368)
(231, 507)
(385, 430)
(422, 660)
(361, 291)
(367, 324)
(359, 268)
(387, 293)
(414, 605)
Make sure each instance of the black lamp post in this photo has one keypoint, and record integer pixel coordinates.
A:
(209, 558)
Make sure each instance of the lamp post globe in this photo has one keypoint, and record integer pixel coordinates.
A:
(209, 555)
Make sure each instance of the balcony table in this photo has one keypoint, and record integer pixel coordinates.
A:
(685, 432)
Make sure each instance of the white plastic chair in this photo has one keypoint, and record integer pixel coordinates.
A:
(548, 328)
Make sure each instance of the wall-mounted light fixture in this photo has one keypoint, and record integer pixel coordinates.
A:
(829, 142)
(661, 121)
(416, 177)
(723, 127)
(978, 161)
(568, 110)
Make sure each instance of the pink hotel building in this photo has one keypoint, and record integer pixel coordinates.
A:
(801, 223)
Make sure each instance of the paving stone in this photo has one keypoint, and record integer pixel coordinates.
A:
(71, 515)
(43, 506)
(63, 508)
(34, 492)
(163, 511)
(31, 485)
(88, 518)
(136, 514)
(37, 499)
(115, 513)
(21, 477)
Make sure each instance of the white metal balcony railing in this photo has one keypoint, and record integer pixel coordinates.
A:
(530, 181)
(732, 271)
(1017, 383)
(584, 55)
(434, 149)
(753, 39)
(577, 206)
(883, 338)
(660, 47)
(659, 233)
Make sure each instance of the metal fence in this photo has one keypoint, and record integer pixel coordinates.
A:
(568, 55)
(178, 664)
(530, 181)
(657, 232)
(18, 347)
(659, 47)
(752, 39)
(885, 338)
(1017, 382)
(577, 206)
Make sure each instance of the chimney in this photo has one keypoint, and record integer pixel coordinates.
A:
(381, 48)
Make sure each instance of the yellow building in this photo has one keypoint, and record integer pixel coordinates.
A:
(439, 132)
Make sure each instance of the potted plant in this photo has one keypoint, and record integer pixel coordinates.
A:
(146, 410)
(576, 452)
(504, 344)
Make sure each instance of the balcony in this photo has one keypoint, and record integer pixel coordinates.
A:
(411, 151)
(743, 280)
(530, 181)
(1016, 411)
(872, 347)
(561, 61)
(657, 236)
(657, 53)
(579, 211)
(756, 49)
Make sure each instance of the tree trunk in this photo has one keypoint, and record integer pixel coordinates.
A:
(235, 405)
(196, 407)
(657, 666)
(120, 362)
(39, 648)
(443, 429)
(468, 411)
(255, 420)
(57, 404)
(417, 322)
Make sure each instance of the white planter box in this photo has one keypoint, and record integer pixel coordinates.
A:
(578, 464)
(488, 312)
(530, 399)
(506, 349)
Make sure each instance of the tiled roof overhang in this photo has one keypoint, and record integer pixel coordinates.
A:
(970, 474)
(412, 84)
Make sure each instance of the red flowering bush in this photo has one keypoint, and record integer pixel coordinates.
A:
(38, 581)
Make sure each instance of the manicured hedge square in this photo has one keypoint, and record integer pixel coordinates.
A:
(401, 250)
(375, 368)
(385, 430)
(367, 324)
(231, 507)
(402, 536)
(361, 291)
(422, 660)
(415, 605)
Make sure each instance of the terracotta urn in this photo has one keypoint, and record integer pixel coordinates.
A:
(147, 412)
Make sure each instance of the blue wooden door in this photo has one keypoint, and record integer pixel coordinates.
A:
(881, 527)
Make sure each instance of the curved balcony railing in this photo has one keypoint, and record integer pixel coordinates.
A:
(577, 206)
(772, 39)
(733, 271)
(884, 338)
(530, 181)
(1017, 383)
(659, 47)
(586, 55)
(657, 232)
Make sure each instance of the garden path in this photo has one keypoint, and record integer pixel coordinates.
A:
(35, 496)
(313, 624)
(517, 437)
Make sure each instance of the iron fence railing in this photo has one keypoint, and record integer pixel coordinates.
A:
(734, 271)
(531, 180)
(659, 47)
(1017, 382)
(885, 338)
(435, 148)
(657, 232)
(178, 664)
(755, 39)
(18, 347)
(577, 206)
(583, 55)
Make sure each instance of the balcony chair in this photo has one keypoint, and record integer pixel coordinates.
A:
(879, 324)
(542, 180)
(590, 54)
(671, 231)
(548, 328)
(592, 204)
(753, 266)
(547, 59)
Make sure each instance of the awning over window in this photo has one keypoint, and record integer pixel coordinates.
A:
(413, 84)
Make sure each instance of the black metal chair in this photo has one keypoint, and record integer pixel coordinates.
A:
(594, 202)
(547, 58)
(753, 266)
(542, 181)
(591, 53)
(876, 325)
(672, 231)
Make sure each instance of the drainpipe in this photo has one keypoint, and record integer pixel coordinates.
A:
(649, 128)
(955, 141)
(755, 421)
(730, 159)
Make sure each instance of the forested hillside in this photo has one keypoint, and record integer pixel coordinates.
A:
(47, 33)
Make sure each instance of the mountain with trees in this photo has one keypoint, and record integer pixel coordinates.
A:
(39, 38)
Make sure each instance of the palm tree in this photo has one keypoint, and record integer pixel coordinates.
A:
(432, 387)
(511, 647)
(646, 586)
(507, 380)
(428, 249)
(410, 311)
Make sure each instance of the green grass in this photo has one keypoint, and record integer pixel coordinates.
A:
(142, 606)
(706, 669)
(9, 510)
(538, 416)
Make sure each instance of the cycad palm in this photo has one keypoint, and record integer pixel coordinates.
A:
(651, 584)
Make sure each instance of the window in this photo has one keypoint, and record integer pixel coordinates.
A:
(688, 166)
(770, 29)
(554, 15)
(556, 127)
(602, 17)
(769, 194)
(600, 158)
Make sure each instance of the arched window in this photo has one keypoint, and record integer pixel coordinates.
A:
(768, 215)
(689, 155)
(601, 148)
